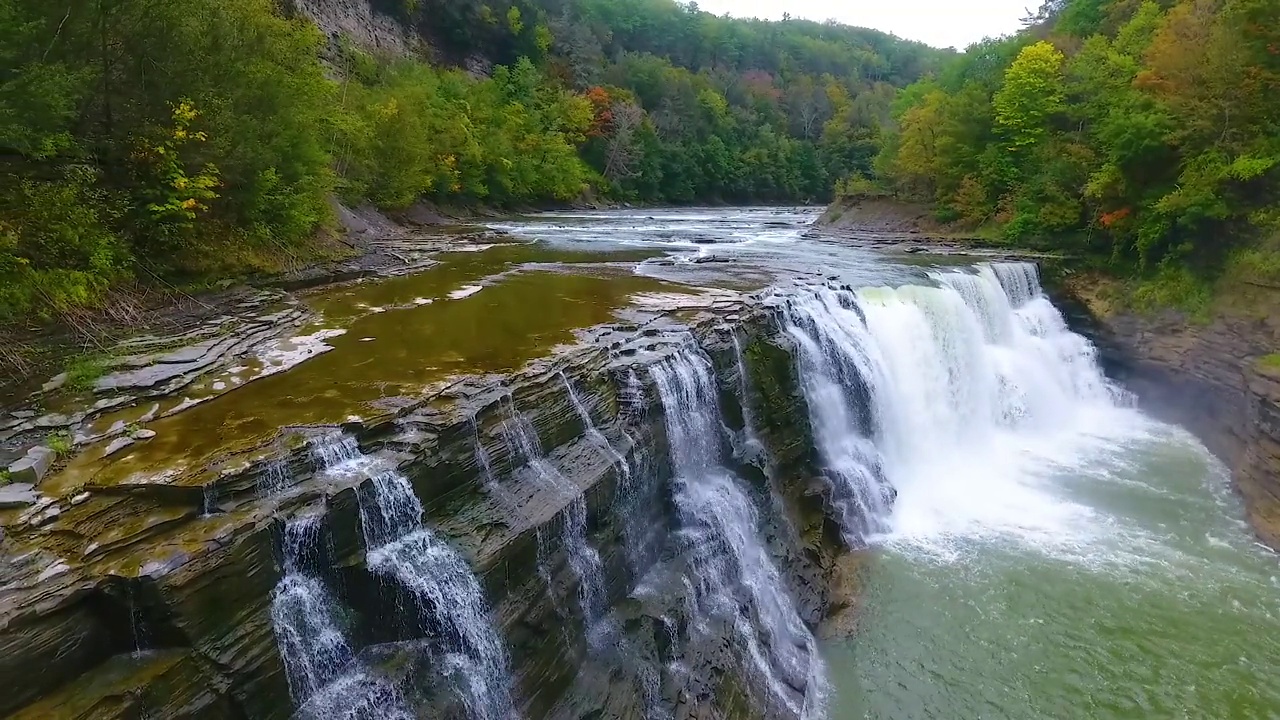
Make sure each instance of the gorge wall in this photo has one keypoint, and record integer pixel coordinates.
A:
(1211, 377)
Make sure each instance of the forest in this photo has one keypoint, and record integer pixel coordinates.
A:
(1142, 133)
(154, 143)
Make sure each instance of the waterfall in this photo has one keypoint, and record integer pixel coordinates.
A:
(334, 449)
(752, 448)
(593, 433)
(325, 679)
(907, 385)
(583, 559)
(729, 575)
(401, 547)
(837, 370)
(305, 617)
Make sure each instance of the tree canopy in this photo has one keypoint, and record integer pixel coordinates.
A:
(183, 141)
(1145, 131)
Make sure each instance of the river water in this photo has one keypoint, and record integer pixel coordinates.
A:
(1052, 551)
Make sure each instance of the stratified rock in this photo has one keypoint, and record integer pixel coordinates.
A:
(33, 467)
(17, 495)
(170, 684)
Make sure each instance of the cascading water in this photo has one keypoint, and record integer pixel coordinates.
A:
(334, 449)
(592, 432)
(305, 617)
(837, 369)
(730, 577)
(401, 547)
(325, 679)
(583, 559)
(898, 380)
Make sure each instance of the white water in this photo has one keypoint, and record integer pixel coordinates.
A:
(305, 618)
(594, 433)
(731, 578)
(325, 679)
(583, 559)
(974, 387)
(401, 547)
(842, 374)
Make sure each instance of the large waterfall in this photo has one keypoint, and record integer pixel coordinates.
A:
(908, 385)
(730, 577)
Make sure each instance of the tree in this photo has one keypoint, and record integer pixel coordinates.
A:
(1032, 93)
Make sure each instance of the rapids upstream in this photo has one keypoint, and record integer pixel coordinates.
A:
(1051, 551)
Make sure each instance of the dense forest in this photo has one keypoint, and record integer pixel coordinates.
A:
(157, 142)
(1142, 132)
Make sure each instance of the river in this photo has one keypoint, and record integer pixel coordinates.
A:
(1052, 551)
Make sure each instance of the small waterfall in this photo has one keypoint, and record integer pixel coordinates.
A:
(752, 448)
(401, 547)
(835, 365)
(335, 449)
(592, 432)
(583, 559)
(325, 679)
(273, 478)
(639, 505)
(305, 617)
(730, 576)
(209, 501)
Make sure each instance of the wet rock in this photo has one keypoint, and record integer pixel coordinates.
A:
(204, 583)
(32, 467)
(143, 434)
(699, 260)
(17, 495)
(52, 420)
(23, 414)
(116, 446)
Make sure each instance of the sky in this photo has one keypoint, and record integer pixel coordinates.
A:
(941, 23)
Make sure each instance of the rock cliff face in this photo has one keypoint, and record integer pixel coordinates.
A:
(160, 600)
(1210, 377)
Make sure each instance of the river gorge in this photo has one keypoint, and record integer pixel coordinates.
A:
(648, 464)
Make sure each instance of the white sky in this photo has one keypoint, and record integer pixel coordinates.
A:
(941, 23)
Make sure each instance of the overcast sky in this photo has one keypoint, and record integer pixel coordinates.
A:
(941, 23)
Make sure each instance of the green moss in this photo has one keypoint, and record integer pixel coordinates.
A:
(84, 371)
(4, 476)
(1174, 287)
(60, 443)
(1270, 362)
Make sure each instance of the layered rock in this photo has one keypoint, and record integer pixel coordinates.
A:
(1210, 377)
(154, 596)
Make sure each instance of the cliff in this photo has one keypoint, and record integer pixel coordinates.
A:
(1212, 377)
(168, 595)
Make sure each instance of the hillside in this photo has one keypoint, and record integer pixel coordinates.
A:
(157, 144)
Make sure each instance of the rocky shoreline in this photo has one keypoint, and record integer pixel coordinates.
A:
(152, 594)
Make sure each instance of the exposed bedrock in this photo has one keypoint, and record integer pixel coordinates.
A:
(539, 538)
(1218, 379)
